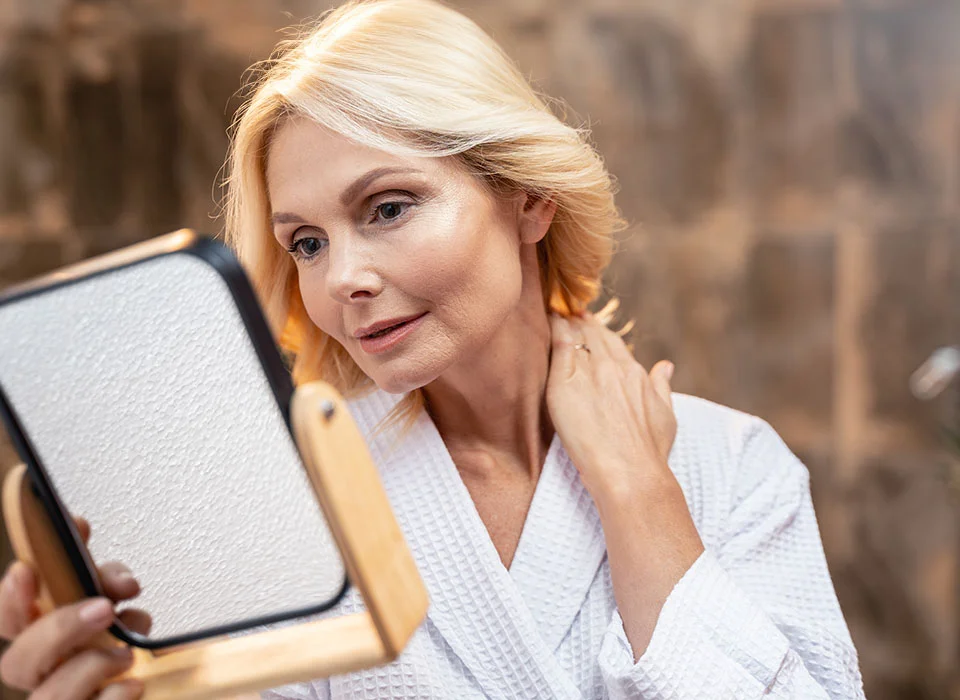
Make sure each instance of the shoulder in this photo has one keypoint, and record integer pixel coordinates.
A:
(723, 433)
(721, 456)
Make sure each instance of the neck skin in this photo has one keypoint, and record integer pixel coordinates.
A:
(493, 402)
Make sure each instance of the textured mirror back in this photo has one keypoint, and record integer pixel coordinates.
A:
(147, 405)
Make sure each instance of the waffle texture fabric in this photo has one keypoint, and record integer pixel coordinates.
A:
(756, 616)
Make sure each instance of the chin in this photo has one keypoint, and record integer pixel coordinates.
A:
(407, 372)
(400, 382)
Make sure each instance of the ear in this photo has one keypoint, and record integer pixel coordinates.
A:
(536, 216)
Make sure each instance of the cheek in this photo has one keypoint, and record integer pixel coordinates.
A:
(470, 272)
(323, 311)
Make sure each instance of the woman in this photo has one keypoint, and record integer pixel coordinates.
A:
(427, 236)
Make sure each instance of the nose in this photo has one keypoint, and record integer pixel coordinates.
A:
(351, 273)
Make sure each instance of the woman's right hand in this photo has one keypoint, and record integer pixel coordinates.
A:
(49, 655)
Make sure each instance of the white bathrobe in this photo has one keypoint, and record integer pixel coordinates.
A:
(755, 616)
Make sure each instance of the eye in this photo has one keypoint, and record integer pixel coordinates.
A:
(306, 247)
(388, 211)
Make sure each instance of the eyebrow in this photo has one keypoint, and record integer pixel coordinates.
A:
(349, 194)
(283, 217)
(363, 182)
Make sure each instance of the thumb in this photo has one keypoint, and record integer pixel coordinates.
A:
(660, 375)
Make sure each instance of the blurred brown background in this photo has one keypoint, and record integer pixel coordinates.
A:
(792, 168)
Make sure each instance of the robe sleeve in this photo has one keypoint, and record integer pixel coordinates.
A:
(756, 616)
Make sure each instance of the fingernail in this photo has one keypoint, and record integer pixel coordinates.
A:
(122, 653)
(669, 370)
(12, 578)
(96, 611)
(124, 577)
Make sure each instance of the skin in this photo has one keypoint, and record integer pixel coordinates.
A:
(378, 236)
(47, 654)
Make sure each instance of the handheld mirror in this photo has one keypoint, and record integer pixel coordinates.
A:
(144, 393)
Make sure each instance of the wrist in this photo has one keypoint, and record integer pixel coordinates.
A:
(638, 493)
(649, 513)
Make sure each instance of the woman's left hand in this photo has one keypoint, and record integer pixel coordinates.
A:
(616, 420)
(617, 424)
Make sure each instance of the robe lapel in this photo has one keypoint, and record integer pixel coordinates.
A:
(560, 550)
(474, 601)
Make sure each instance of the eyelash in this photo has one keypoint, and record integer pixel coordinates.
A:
(294, 248)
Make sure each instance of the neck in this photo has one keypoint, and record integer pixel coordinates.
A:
(494, 401)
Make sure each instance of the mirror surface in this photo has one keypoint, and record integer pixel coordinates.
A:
(147, 404)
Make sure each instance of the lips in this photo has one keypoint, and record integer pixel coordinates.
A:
(388, 336)
(383, 332)
(381, 326)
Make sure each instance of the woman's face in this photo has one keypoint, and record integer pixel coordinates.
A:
(411, 264)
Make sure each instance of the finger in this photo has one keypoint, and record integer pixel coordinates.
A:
(127, 690)
(582, 346)
(592, 354)
(660, 375)
(81, 675)
(18, 599)
(83, 527)
(35, 652)
(136, 620)
(613, 343)
(562, 354)
(575, 330)
(601, 349)
(118, 582)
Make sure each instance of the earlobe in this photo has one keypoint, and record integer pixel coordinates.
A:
(536, 218)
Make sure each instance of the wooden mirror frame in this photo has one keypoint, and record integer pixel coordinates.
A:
(375, 555)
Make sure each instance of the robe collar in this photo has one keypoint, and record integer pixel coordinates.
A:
(503, 625)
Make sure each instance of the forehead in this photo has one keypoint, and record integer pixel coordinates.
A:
(306, 159)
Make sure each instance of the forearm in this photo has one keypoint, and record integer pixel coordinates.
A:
(651, 542)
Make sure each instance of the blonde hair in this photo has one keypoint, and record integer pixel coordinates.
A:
(413, 77)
